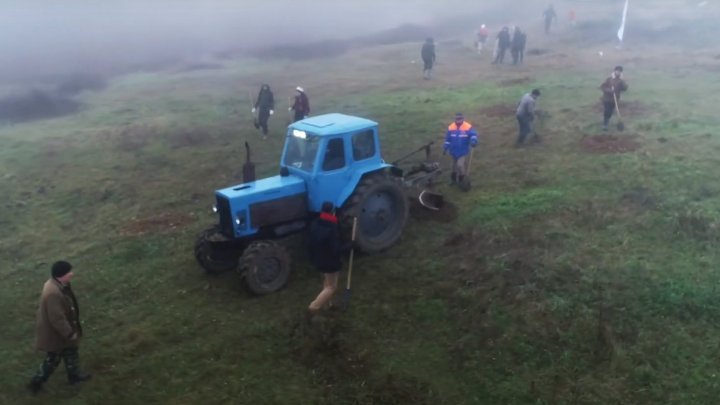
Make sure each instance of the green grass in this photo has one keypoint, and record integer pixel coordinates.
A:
(569, 277)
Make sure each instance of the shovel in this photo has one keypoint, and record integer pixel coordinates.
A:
(620, 125)
(465, 183)
(346, 295)
(252, 105)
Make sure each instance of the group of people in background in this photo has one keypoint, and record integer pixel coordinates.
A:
(515, 43)
(264, 107)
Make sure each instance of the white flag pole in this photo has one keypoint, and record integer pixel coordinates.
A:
(621, 31)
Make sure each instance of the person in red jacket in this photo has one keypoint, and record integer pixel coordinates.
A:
(326, 250)
(301, 106)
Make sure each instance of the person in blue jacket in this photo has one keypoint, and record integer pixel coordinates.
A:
(460, 137)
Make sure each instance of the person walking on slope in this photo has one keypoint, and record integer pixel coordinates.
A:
(482, 37)
(459, 138)
(549, 15)
(517, 48)
(58, 328)
(428, 56)
(526, 116)
(612, 87)
(503, 43)
(265, 107)
(301, 106)
(326, 250)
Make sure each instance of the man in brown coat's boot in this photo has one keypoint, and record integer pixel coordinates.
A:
(58, 328)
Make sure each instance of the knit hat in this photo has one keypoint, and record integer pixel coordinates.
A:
(60, 269)
(300, 89)
(459, 116)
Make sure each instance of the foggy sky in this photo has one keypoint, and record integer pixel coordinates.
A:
(43, 38)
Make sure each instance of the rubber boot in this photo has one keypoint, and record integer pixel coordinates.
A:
(453, 178)
(78, 378)
(35, 385)
(461, 179)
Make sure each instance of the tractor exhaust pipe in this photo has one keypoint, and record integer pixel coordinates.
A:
(248, 170)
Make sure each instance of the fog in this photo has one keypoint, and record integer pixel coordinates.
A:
(44, 40)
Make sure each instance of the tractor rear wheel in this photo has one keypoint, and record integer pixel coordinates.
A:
(265, 267)
(215, 256)
(381, 207)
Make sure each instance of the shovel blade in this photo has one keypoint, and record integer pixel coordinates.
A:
(620, 126)
(430, 200)
(465, 185)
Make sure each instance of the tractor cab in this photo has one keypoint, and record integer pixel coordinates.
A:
(331, 153)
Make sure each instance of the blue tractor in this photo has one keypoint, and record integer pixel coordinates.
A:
(332, 157)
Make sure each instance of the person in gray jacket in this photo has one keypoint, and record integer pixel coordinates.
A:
(526, 115)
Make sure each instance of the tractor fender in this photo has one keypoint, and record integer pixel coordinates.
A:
(355, 179)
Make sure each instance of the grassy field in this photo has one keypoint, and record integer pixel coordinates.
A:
(579, 270)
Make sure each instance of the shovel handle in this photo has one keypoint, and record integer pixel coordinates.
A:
(352, 254)
(617, 107)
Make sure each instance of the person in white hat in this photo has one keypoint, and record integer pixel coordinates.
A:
(301, 106)
(482, 37)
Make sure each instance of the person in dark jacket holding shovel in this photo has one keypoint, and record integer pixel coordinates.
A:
(301, 106)
(58, 328)
(526, 115)
(612, 87)
(459, 138)
(326, 250)
(503, 43)
(265, 107)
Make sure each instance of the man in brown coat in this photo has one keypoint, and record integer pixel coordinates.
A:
(611, 88)
(58, 328)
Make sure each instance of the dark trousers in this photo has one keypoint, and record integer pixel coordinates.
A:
(608, 110)
(70, 356)
(263, 116)
(524, 128)
(501, 54)
(299, 115)
(548, 23)
(517, 55)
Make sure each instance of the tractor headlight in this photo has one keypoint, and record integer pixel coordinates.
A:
(215, 209)
(237, 221)
(299, 134)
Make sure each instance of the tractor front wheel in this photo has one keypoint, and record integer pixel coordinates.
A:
(381, 207)
(213, 254)
(265, 267)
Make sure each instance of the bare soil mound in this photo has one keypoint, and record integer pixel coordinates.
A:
(499, 110)
(610, 144)
(164, 222)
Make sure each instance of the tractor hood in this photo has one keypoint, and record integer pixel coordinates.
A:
(248, 208)
(264, 189)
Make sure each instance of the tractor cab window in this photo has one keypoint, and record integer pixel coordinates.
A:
(301, 151)
(334, 155)
(363, 144)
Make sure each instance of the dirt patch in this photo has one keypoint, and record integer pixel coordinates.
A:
(610, 144)
(499, 110)
(36, 105)
(517, 81)
(448, 212)
(164, 222)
